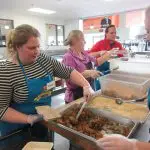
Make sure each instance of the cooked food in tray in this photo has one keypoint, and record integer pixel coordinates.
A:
(122, 95)
(90, 124)
(132, 111)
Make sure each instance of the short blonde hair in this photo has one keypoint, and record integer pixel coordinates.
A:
(72, 34)
(18, 37)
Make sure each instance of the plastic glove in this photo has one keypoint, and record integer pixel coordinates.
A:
(34, 118)
(88, 93)
(91, 73)
(96, 94)
(117, 142)
(101, 53)
(107, 55)
(114, 52)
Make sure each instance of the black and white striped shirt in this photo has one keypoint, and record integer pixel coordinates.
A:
(13, 86)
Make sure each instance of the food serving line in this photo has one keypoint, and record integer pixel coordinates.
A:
(117, 85)
(139, 131)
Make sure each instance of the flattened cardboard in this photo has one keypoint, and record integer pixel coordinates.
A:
(48, 112)
(38, 146)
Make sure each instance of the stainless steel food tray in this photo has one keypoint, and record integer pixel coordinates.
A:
(75, 135)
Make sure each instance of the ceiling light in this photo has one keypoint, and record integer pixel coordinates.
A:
(58, 27)
(108, 0)
(43, 11)
(6, 27)
(91, 27)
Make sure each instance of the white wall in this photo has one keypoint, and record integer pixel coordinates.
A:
(37, 22)
(71, 25)
(129, 32)
(123, 31)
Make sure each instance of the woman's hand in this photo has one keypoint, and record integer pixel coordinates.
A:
(108, 55)
(94, 74)
(117, 142)
(91, 73)
(31, 119)
(88, 93)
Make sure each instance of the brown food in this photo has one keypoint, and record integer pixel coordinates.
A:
(90, 124)
(114, 94)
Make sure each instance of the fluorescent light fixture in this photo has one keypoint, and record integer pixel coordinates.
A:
(6, 27)
(91, 27)
(59, 28)
(108, 0)
(42, 11)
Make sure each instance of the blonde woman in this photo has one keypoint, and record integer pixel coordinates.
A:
(80, 60)
(26, 81)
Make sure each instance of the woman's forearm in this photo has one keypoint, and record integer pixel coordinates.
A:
(13, 116)
(86, 74)
(102, 59)
(78, 79)
(95, 54)
(143, 146)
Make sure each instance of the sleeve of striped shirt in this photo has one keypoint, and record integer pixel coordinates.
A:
(5, 90)
(59, 69)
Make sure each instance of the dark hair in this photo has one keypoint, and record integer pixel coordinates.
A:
(110, 26)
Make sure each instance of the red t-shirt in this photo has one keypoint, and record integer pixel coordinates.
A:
(106, 45)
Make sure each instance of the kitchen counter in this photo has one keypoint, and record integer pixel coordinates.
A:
(139, 64)
(143, 133)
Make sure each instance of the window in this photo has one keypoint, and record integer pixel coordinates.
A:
(60, 34)
(5, 26)
(54, 34)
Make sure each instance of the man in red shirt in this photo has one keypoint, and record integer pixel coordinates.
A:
(109, 43)
(107, 48)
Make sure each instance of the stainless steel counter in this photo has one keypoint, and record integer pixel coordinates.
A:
(143, 133)
(139, 64)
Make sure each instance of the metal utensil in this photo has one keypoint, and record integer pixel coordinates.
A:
(80, 111)
(120, 101)
(110, 70)
(147, 117)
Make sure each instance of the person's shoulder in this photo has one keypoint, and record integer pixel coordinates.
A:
(44, 57)
(117, 42)
(2, 66)
(6, 67)
(69, 59)
(67, 55)
(86, 53)
(100, 42)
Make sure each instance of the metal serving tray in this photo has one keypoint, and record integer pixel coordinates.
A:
(77, 136)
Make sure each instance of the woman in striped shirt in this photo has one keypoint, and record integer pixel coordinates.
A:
(26, 80)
